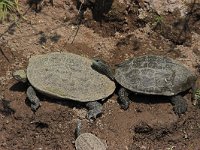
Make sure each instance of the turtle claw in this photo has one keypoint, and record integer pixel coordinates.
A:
(180, 109)
(93, 114)
(125, 105)
(34, 107)
(95, 109)
(180, 105)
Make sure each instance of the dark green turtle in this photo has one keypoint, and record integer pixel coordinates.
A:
(153, 75)
(65, 76)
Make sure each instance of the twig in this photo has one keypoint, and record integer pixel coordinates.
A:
(80, 16)
(2, 52)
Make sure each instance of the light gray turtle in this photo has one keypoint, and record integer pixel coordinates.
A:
(153, 75)
(87, 141)
(65, 76)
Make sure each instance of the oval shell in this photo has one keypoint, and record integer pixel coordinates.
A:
(68, 76)
(156, 75)
(88, 141)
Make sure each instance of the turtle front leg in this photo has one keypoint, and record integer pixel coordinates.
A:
(31, 94)
(180, 104)
(123, 98)
(95, 109)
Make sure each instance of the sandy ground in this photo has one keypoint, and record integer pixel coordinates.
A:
(121, 32)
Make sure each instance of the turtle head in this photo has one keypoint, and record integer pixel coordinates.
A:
(102, 67)
(20, 75)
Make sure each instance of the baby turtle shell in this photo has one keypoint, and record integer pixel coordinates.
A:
(68, 76)
(88, 141)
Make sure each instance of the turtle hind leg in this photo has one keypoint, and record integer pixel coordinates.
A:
(180, 104)
(95, 109)
(123, 98)
(32, 97)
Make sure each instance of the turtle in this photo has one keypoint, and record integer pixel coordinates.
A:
(67, 76)
(87, 141)
(150, 75)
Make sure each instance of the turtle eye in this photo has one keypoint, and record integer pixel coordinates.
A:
(97, 60)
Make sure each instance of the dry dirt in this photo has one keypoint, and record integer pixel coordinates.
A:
(115, 32)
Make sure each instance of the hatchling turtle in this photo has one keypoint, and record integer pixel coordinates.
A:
(65, 76)
(87, 141)
(153, 75)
